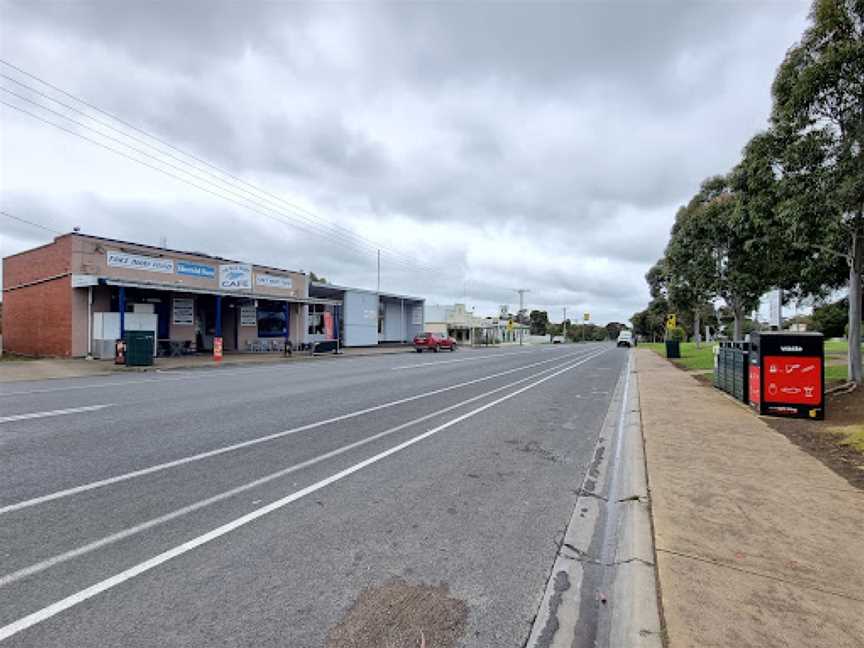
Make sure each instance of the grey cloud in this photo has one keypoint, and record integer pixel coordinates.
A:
(575, 127)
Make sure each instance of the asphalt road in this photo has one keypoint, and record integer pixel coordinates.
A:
(254, 506)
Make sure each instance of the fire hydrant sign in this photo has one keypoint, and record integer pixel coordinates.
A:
(796, 380)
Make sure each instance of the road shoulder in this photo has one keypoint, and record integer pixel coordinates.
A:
(602, 589)
(757, 542)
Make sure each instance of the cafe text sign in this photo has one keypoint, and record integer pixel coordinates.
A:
(235, 276)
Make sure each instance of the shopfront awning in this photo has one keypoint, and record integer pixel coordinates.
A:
(147, 285)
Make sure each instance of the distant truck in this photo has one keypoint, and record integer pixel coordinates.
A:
(626, 339)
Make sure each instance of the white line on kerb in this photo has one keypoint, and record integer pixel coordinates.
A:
(59, 412)
(41, 566)
(79, 597)
(245, 444)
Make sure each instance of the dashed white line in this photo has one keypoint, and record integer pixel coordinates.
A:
(57, 412)
(41, 566)
(245, 444)
(79, 597)
(435, 363)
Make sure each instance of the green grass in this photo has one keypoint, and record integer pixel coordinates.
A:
(853, 435)
(703, 359)
(837, 346)
(691, 357)
(836, 373)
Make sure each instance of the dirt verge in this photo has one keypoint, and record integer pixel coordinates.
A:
(819, 439)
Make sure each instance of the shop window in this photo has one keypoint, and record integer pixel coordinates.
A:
(316, 319)
(271, 321)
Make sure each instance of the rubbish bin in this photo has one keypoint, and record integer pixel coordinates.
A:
(673, 349)
(139, 348)
(740, 371)
(787, 376)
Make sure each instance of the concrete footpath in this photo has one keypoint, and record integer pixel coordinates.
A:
(48, 368)
(758, 544)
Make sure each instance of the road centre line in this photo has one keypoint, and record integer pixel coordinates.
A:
(79, 597)
(41, 566)
(435, 363)
(58, 412)
(245, 444)
(203, 372)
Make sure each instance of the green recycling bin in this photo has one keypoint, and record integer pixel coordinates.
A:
(139, 348)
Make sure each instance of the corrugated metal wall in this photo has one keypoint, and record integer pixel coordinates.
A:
(360, 318)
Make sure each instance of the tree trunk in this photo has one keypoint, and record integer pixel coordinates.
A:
(738, 326)
(697, 334)
(856, 265)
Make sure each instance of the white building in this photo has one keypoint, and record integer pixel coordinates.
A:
(465, 327)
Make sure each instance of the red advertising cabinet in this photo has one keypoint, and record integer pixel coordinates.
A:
(787, 374)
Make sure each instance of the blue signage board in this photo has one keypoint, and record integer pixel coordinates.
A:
(196, 269)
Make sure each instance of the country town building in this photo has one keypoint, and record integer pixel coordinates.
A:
(78, 294)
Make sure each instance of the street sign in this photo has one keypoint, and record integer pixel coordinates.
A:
(671, 321)
(586, 316)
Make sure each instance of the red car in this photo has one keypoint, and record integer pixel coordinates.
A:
(433, 342)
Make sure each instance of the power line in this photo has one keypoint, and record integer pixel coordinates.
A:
(326, 228)
(180, 169)
(334, 228)
(29, 222)
(308, 228)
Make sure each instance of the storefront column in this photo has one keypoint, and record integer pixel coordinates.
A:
(121, 306)
(217, 331)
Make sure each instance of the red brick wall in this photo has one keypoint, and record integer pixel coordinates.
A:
(37, 319)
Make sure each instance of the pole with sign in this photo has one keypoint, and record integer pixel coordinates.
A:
(217, 338)
(585, 318)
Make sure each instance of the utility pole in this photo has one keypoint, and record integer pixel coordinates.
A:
(379, 271)
(521, 292)
(564, 325)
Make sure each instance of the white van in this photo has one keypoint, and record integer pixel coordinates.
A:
(625, 339)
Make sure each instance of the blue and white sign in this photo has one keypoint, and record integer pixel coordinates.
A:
(273, 281)
(137, 262)
(196, 269)
(235, 276)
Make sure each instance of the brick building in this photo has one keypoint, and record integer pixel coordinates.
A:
(75, 296)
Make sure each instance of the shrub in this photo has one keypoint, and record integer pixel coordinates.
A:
(677, 334)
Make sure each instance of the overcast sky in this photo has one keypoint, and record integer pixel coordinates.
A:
(485, 146)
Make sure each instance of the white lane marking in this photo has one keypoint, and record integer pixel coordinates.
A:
(79, 597)
(435, 363)
(183, 376)
(245, 444)
(36, 568)
(58, 412)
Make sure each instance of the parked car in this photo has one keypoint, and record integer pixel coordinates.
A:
(625, 339)
(433, 342)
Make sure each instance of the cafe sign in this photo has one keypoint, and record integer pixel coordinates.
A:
(235, 276)
(118, 259)
(273, 281)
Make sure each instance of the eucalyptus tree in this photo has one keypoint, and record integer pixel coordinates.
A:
(819, 115)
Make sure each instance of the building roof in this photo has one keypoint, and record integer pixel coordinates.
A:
(337, 288)
(201, 255)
